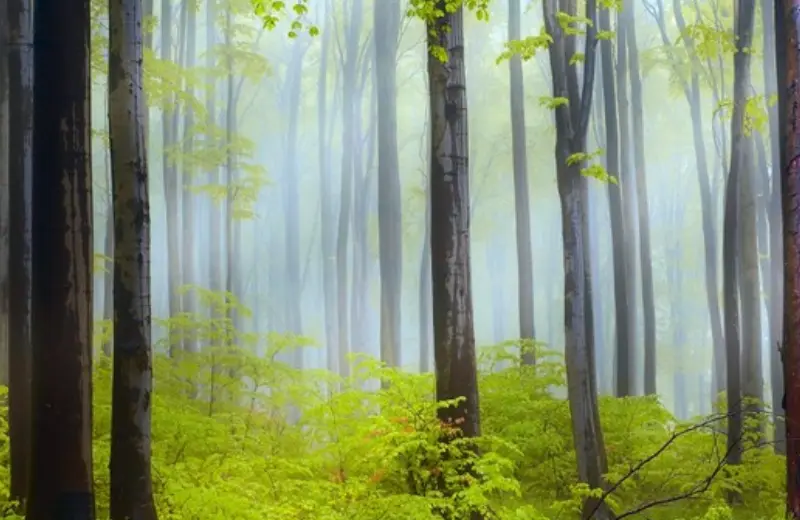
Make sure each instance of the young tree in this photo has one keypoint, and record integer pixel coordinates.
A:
(131, 485)
(20, 94)
(61, 456)
(387, 16)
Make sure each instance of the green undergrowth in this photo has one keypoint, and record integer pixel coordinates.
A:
(241, 436)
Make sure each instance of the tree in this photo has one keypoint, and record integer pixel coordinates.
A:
(61, 456)
(453, 329)
(390, 218)
(572, 105)
(618, 228)
(20, 93)
(527, 326)
(788, 65)
(628, 18)
(131, 484)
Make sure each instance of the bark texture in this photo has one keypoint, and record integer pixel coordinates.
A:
(20, 173)
(61, 483)
(131, 484)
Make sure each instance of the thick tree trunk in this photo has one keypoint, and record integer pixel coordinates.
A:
(624, 383)
(527, 326)
(62, 266)
(5, 128)
(642, 203)
(131, 483)
(453, 329)
(20, 173)
(787, 32)
(390, 230)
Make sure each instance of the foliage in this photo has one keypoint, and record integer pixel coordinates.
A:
(242, 435)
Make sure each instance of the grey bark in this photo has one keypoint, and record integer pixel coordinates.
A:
(387, 18)
(131, 482)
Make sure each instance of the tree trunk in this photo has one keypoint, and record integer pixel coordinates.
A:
(787, 31)
(627, 184)
(453, 329)
(327, 232)
(189, 269)
(345, 206)
(131, 484)
(5, 128)
(624, 383)
(215, 215)
(425, 303)
(775, 278)
(642, 203)
(20, 173)
(291, 196)
(527, 326)
(571, 126)
(387, 18)
(170, 177)
(62, 266)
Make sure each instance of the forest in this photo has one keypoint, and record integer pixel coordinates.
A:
(541, 259)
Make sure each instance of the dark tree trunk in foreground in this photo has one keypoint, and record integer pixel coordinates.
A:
(527, 324)
(453, 332)
(61, 456)
(131, 486)
(20, 173)
(571, 126)
(787, 32)
(390, 234)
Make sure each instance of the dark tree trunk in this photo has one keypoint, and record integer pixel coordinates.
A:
(20, 172)
(787, 32)
(131, 483)
(5, 128)
(62, 266)
(453, 332)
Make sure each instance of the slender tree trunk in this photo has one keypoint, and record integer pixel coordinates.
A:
(20, 173)
(527, 326)
(215, 215)
(131, 484)
(387, 18)
(643, 207)
(62, 266)
(188, 245)
(775, 278)
(624, 383)
(348, 160)
(327, 230)
(425, 303)
(571, 128)
(627, 184)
